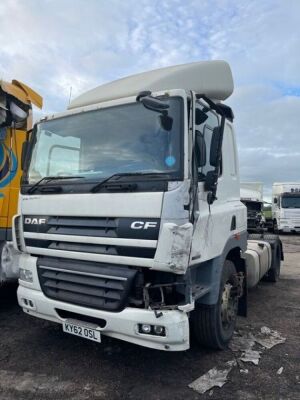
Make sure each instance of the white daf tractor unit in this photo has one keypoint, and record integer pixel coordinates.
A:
(130, 222)
(252, 197)
(286, 206)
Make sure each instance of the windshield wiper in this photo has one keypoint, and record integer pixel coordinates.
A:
(121, 174)
(47, 179)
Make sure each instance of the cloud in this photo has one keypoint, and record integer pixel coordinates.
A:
(55, 45)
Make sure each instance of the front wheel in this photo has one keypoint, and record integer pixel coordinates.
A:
(213, 325)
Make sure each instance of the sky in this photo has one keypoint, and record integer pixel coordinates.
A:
(53, 45)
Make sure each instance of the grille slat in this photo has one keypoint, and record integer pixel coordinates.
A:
(83, 231)
(83, 222)
(82, 289)
(83, 300)
(107, 288)
(83, 280)
(112, 250)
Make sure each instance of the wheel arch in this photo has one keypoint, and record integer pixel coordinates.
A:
(209, 272)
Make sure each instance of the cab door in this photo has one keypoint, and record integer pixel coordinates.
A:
(225, 217)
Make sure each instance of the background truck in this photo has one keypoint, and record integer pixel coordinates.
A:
(130, 223)
(16, 101)
(252, 197)
(286, 206)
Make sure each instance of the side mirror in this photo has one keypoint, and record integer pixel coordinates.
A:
(154, 104)
(214, 146)
(200, 149)
(275, 200)
(25, 148)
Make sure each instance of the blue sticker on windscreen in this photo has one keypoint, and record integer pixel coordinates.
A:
(170, 161)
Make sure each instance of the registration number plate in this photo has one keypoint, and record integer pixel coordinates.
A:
(82, 331)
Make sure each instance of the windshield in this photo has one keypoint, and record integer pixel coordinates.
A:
(97, 144)
(290, 201)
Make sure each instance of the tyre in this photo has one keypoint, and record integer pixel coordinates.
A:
(213, 325)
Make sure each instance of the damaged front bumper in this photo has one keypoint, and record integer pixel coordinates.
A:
(122, 325)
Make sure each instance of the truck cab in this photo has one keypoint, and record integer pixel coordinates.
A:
(16, 101)
(130, 222)
(286, 206)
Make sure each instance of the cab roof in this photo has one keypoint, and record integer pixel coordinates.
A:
(212, 78)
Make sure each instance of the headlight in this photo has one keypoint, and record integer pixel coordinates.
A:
(26, 275)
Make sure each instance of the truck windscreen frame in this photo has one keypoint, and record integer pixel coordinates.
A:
(99, 143)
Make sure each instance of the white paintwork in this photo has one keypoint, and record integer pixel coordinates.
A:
(288, 219)
(251, 191)
(213, 78)
(258, 258)
(94, 204)
(122, 325)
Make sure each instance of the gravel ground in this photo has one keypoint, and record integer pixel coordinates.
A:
(37, 360)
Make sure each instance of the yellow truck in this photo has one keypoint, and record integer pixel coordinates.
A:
(16, 100)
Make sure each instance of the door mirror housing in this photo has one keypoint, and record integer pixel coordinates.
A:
(214, 146)
(200, 149)
(275, 200)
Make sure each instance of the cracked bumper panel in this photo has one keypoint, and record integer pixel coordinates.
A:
(122, 325)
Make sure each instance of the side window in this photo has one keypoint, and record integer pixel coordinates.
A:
(204, 132)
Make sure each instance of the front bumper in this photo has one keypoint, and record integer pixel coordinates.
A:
(288, 227)
(122, 325)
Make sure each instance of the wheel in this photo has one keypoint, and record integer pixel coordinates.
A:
(213, 326)
(7, 271)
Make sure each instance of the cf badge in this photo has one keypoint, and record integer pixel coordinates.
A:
(143, 225)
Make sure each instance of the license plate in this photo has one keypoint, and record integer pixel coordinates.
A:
(82, 331)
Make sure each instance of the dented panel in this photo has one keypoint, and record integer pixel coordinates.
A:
(174, 246)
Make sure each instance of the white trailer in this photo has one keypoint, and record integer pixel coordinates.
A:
(252, 197)
(130, 222)
(286, 206)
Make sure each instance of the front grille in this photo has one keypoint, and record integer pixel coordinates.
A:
(94, 285)
(93, 235)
